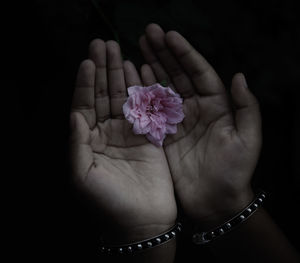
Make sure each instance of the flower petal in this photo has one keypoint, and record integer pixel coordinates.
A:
(133, 89)
(171, 128)
(154, 140)
(173, 116)
(154, 110)
(144, 121)
(136, 127)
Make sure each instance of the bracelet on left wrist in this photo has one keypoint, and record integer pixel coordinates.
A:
(135, 247)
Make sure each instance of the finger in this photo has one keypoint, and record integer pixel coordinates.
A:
(97, 53)
(80, 150)
(116, 80)
(205, 79)
(156, 37)
(131, 75)
(247, 114)
(148, 76)
(83, 98)
(151, 59)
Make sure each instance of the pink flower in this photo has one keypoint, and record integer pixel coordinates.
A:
(154, 111)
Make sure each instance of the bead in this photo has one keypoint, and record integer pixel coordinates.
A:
(255, 205)
(249, 210)
(260, 200)
(212, 234)
(228, 225)
(139, 246)
(263, 195)
(221, 231)
(131, 248)
(242, 217)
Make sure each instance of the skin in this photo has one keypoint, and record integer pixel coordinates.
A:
(208, 163)
(125, 175)
(214, 153)
(210, 159)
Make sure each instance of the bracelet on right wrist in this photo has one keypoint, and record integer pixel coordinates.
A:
(208, 236)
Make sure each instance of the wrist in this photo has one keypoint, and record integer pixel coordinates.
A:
(203, 237)
(224, 209)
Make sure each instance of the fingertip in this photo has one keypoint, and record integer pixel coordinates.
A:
(128, 63)
(247, 110)
(129, 67)
(241, 95)
(111, 42)
(237, 84)
(145, 67)
(96, 49)
(155, 34)
(239, 80)
(239, 75)
(112, 45)
(177, 43)
(152, 26)
(96, 43)
(145, 70)
(86, 74)
(87, 66)
(148, 75)
(172, 35)
(114, 55)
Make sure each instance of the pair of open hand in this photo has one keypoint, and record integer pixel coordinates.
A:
(207, 164)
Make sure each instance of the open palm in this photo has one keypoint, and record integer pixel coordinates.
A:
(127, 176)
(216, 148)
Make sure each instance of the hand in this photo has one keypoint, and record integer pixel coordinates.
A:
(127, 176)
(215, 151)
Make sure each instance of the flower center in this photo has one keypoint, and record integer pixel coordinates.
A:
(150, 109)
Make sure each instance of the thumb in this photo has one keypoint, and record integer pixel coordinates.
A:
(80, 132)
(247, 113)
(81, 154)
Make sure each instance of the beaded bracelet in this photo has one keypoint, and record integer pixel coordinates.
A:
(205, 237)
(142, 245)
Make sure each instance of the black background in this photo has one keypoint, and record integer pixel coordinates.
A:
(260, 39)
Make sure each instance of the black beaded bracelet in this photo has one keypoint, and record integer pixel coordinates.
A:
(205, 237)
(142, 245)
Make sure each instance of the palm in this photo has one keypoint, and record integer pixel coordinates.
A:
(205, 151)
(131, 175)
(208, 156)
(127, 176)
